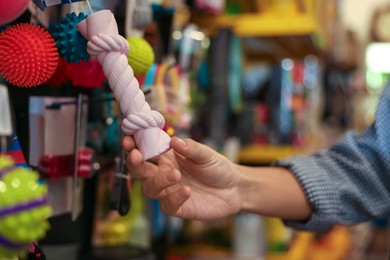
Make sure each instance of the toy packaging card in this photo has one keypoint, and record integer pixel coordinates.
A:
(9, 143)
(52, 135)
(15, 151)
(5, 112)
(42, 4)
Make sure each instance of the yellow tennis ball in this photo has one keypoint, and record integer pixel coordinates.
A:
(23, 208)
(140, 56)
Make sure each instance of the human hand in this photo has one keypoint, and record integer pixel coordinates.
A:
(191, 180)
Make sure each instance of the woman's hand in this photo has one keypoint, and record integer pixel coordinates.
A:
(191, 180)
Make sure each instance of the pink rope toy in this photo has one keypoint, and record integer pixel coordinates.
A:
(144, 124)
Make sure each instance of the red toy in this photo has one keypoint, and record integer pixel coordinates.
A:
(86, 74)
(58, 166)
(60, 77)
(28, 55)
(11, 9)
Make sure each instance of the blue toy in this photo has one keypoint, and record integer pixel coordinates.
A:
(71, 44)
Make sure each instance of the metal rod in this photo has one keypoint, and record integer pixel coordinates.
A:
(120, 198)
(57, 105)
(75, 198)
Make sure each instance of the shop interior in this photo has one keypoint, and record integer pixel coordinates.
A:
(255, 80)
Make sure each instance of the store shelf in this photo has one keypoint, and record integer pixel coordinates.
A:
(266, 154)
(307, 245)
(305, 21)
(268, 24)
(333, 245)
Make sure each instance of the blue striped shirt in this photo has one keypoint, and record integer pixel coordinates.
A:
(350, 182)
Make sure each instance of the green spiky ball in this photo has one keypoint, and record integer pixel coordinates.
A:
(21, 186)
(140, 56)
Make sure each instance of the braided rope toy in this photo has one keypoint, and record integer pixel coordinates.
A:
(111, 49)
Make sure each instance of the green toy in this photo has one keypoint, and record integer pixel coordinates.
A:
(140, 56)
(23, 208)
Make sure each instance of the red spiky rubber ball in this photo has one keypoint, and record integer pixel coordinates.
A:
(28, 55)
(11, 9)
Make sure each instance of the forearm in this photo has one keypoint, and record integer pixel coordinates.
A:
(272, 191)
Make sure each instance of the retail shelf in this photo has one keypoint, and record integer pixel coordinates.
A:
(266, 154)
(332, 245)
(307, 20)
(268, 24)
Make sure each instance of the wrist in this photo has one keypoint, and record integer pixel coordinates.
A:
(249, 189)
(271, 191)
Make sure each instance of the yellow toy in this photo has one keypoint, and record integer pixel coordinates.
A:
(140, 56)
(23, 208)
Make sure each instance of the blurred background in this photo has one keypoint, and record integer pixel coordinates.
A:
(256, 80)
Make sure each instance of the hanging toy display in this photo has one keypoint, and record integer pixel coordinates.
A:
(72, 46)
(42, 4)
(140, 56)
(11, 9)
(60, 77)
(23, 208)
(86, 74)
(28, 55)
(111, 49)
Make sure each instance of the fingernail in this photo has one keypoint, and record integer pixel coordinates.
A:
(182, 142)
(183, 193)
(171, 177)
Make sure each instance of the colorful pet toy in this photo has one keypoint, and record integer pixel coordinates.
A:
(111, 49)
(141, 55)
(28, 55)
(23, 208)
(11, 9)
(71, 44)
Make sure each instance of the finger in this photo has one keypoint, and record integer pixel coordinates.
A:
(155, 187)
(128, 143)
(138, 168)
(190, 149)
(172, 204)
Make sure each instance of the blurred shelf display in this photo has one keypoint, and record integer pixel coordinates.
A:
(266, 154)
(332, 245)
(286, 20)
(302, 23)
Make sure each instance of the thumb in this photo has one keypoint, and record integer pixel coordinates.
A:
(197, 152)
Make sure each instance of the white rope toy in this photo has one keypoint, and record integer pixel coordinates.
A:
(110, 48)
